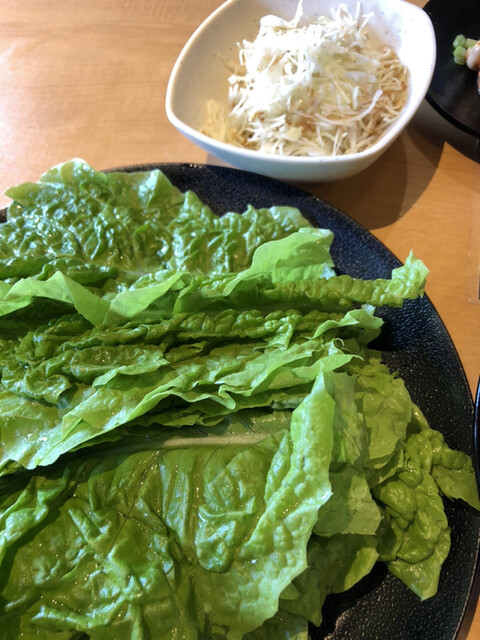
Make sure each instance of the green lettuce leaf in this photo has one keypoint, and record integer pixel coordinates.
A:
(124, 540)
(335, 564)
(136, 222)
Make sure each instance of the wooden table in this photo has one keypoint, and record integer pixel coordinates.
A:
(87, 78)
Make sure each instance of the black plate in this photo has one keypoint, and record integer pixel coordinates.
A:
(416, 343)
(453, 90)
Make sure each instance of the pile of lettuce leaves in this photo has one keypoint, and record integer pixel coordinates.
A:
(196, 438)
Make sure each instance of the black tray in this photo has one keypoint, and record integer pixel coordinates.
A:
(453, 90)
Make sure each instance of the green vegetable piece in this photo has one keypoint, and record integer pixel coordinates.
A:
(459, 55)
(146, 533)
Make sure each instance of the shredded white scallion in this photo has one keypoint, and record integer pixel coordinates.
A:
(310, 88)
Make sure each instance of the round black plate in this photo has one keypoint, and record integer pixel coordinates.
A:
(415, 343)
(453, 90)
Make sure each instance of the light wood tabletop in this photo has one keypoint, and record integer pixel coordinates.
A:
(87, 79)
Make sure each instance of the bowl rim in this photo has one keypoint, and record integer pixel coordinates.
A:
(378, 147)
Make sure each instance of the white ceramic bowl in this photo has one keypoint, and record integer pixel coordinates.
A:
(199, 75)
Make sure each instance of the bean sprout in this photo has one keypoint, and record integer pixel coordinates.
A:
(310, 88)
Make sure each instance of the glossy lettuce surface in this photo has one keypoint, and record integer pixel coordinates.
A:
(196, 438)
